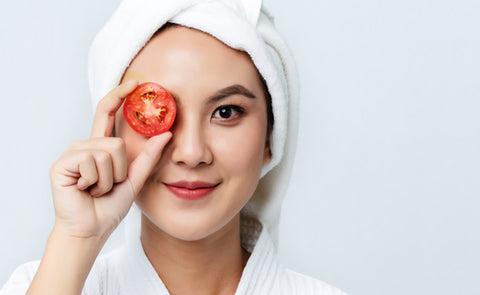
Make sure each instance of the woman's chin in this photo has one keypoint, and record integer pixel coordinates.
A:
(182, 229)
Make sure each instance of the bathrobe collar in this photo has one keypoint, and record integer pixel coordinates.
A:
(136, 273)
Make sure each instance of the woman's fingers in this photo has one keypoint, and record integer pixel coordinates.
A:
(104, 119)
(87, 170)
(99, 163)
(103, 163)
(113, 145)
(91, 169)
(142, 166)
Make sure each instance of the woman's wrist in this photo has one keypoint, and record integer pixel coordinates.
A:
(88, 235)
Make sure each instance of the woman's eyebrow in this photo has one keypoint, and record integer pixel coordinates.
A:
(231, 90)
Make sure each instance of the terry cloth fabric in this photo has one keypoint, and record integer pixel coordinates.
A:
(127, 271)
(241, 24)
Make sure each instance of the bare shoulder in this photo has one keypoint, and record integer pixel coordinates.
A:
(296, 283)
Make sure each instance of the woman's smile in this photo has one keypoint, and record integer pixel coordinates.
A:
(191, 190)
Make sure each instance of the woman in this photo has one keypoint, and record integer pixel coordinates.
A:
(209, 210)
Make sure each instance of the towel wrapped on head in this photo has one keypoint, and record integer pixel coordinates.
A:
(241, 24)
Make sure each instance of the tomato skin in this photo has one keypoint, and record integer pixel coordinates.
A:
(149, 109)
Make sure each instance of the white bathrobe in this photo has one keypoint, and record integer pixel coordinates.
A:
(127, 271)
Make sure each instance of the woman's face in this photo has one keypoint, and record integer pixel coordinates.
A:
(211, 166)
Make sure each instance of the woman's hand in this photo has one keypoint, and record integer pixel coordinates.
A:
(93, 188)
(92, 184)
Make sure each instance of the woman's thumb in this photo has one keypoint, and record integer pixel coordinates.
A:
(140, 168)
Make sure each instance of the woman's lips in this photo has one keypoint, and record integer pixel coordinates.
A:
(191, 190)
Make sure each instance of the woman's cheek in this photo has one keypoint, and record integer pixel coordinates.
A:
(240, 148)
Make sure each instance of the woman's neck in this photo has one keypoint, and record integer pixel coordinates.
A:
(213, 265)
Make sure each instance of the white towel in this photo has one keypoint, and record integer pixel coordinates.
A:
(241, 24)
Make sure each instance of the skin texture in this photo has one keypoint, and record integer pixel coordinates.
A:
(95, 182)
(203, 147)
(193, 67)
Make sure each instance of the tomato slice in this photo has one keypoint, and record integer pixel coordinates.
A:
(149, 109)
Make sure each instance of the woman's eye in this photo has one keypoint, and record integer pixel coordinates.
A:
(227, 112)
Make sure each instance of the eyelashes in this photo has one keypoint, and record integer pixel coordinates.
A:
(228, 113)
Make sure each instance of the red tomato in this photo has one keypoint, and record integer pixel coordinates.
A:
(149, 109)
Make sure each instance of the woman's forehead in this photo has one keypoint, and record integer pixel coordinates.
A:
(180, 56)
(182, 48)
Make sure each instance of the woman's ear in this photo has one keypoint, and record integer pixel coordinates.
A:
(267, 153)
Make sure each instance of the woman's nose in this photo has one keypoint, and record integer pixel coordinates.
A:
(190, 145)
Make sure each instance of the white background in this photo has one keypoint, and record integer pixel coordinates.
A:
(385, 191)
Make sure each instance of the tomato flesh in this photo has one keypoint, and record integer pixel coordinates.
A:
(149, 109)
